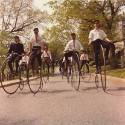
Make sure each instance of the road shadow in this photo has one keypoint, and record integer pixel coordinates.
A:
(116, 91)
(89, 88)
(87, 82)
(55, 91)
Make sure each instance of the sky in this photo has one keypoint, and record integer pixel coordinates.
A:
(40, 4)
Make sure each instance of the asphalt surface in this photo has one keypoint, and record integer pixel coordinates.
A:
(60, 104)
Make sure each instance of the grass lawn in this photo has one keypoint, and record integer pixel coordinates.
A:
(117, 73)
(120, 73)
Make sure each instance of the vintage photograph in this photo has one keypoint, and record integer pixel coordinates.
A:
(62, 62)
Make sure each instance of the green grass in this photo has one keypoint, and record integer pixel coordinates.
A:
(120, 73)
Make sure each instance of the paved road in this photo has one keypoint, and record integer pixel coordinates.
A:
(59, 104)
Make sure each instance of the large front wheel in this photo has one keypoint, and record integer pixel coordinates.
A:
(103, 72)
(75, 76)
(10, 82)
(34, 77)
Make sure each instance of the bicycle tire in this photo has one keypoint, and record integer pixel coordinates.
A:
(103, 72)
(23, 76)
(9, 89)
(45, 72)
(34, 78)
(84, 73)
(97, 81)
(75, 74)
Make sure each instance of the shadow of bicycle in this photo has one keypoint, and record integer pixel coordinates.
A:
(117, 91)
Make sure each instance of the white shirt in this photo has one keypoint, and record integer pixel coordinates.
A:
(97, 34)
(71, 45)
(84, 57)
(37, 41)
(46, 54)
(25, 59)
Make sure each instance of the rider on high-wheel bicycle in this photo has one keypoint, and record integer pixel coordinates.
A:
(98, 38)
(72, 49)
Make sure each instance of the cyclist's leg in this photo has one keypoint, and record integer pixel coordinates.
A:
(76, 58)
(96, 48)
(112, 48)
(17, 59)
(39, 59)
(10, 61)
(109, 46)
(66, 55)
(38, 56)
(87, 65)
(47, 63)
(32, 58)
(82, 63)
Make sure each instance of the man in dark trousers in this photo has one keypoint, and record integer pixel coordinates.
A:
(15, 53)
(98, 37)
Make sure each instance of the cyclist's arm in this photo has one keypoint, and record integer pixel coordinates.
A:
(80, 46)
(90, 41)
(30, 46)
(10, 49)
(50, 55)
(105, 36)
(107, 39)
(67, 47)
(90, 37)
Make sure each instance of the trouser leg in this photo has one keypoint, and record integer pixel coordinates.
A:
(17, 59)
(109, 46)
(39, 59)
(96, 48)
(10, 65)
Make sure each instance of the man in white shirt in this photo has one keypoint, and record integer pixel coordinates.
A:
(36, 46)
(72, 48)
(98, 37)
(46, 55)
(84, 59)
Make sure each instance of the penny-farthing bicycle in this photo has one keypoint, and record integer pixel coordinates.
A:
(101, 77)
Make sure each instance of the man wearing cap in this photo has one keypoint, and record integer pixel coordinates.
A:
(72, 48)
(36, 46)
(98, 37)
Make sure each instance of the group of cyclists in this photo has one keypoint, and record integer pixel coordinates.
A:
(38, 49)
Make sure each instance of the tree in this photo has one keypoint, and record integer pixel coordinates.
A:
(109, 9)
(18, 17)
(78, 16)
